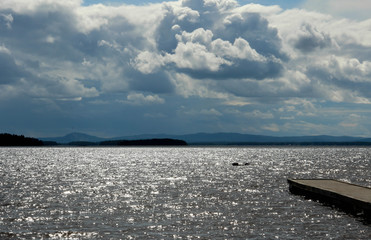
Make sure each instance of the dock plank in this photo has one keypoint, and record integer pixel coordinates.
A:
(349, 197)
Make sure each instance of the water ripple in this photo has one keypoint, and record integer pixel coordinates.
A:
(173, 193)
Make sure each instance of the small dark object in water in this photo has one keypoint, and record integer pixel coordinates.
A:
(237, 164)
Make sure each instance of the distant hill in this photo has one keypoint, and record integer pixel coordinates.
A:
(74, 137)
(237, 138)
(81, 139)
(215, 139)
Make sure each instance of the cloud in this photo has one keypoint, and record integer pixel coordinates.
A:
(148, 62)
(346, 79)
(271, 127)
(257, 8)
(194, 56)
(203, 113)
(214, 40)
(259, 114)
(139, 99)
(211, 112)
(358, 9)
(10, 71)
(116, 50)
(4, 50)
(33, 7)
(217, 54)
(311, 39)
(219, 45)
(6, 20)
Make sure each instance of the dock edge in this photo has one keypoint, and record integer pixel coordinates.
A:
(347, 204)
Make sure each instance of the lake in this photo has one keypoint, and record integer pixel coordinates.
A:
(174, 192)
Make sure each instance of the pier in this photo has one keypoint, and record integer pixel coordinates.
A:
(348, 197)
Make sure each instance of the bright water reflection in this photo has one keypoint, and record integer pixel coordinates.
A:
(173, 193)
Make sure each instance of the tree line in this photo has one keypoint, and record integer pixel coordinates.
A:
(7, 139)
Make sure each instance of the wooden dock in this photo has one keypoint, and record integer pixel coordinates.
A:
(351, 198)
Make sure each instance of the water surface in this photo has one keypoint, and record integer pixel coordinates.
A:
(174, 193)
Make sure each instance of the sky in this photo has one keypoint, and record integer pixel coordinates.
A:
(117, 68)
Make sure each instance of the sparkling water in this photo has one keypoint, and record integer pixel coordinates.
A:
(174, 193)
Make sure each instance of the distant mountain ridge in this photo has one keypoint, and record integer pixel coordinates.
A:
(74, 137)
(214, 138)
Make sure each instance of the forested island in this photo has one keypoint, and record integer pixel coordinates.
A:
(7, 139)
(145, 142)
(198, 139)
